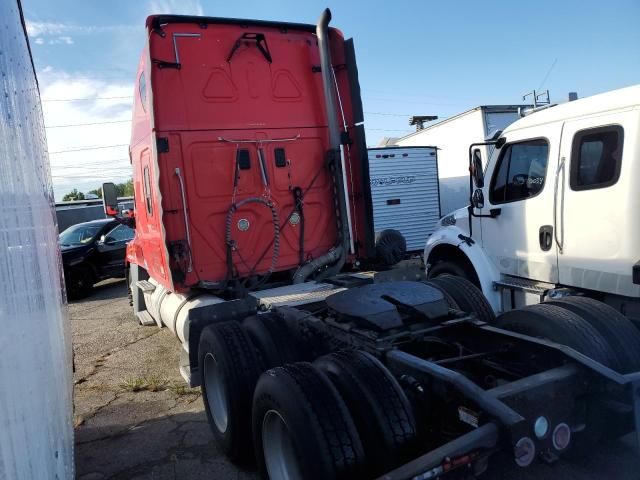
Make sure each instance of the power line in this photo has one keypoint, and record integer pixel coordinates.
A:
(399, 100)
(72, 170)
(99, 162)
(388, 129)
(389, 114)
(85, 99)
(82, 149)
(85, 124)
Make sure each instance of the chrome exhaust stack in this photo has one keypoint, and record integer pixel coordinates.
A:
(337, 256)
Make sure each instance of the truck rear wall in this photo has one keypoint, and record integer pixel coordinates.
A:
(211, 120)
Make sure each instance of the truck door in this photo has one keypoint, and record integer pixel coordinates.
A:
(111, 250)
(520, 183)
(597, 202)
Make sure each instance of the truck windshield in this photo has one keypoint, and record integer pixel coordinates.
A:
(79, 234)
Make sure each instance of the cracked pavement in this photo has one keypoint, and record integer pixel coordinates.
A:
(141, 435)
(164, 435)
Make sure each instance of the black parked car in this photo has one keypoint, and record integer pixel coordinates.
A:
(93, 251)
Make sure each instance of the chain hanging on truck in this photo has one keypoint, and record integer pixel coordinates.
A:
(243, 162)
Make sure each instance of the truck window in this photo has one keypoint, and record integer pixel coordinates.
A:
(596, 157)
(147, 191)
(142, 88)
(121, 233)
(521, 171)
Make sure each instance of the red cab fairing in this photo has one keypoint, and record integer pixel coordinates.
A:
(231, 112)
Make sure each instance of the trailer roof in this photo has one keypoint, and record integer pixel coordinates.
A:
(484, 108)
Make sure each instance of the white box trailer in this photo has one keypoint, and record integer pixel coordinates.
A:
(36, 429)
(452, 137)
(404, 192)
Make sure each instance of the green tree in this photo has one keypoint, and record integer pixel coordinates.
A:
(125, 189)
(97, 191)
(73, 195)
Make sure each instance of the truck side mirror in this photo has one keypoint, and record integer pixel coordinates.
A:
(476, 167)
(477, 199)
(110, 199)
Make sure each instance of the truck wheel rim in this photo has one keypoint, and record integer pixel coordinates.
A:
(216, 393)
(279, 452)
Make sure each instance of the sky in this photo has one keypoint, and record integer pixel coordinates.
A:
(415, 57)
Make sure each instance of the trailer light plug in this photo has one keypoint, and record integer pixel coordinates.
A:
(524, 452)
(541, 427)
(561, 436)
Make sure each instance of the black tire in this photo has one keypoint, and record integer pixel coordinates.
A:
(79, 281)
(323, 436)
(615, 328)
(560, 326)
(229, 366)
(381, 411)
(468, 297)
(274, 340)
(449, 299)
(391, 246)
(444, 267)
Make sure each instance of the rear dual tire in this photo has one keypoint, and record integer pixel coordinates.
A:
(302, 428)
(380, 409)
(561, 326)
(231, 358)
(229, 366)
(568, 325)
(616, 329)
(276, 342)
(345, 416)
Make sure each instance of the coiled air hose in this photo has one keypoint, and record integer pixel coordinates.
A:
(231, 244)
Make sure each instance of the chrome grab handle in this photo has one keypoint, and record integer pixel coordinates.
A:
(186, 219)
(559, 243)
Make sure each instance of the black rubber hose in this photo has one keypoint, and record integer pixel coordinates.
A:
(276, 231)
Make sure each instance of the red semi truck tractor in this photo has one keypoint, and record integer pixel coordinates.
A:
(253, 219)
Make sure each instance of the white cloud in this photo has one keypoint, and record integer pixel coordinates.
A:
(85, 169)
(39, 41)
(178, 7)
(58, 40)
(37, 29)
(44, 29)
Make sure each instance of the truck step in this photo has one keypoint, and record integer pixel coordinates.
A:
(145, 318)
(146, 286)
(508, 282)
(293, 295)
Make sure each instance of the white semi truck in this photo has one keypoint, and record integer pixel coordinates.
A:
(554, 212)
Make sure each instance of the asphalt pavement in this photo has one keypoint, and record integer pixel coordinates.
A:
(136, 419)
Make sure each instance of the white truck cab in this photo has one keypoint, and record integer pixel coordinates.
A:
(556, 210)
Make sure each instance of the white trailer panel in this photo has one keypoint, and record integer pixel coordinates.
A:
(36, 429)
(452, 138)
(404, 191)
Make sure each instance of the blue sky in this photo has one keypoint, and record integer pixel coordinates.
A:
(414, 57)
